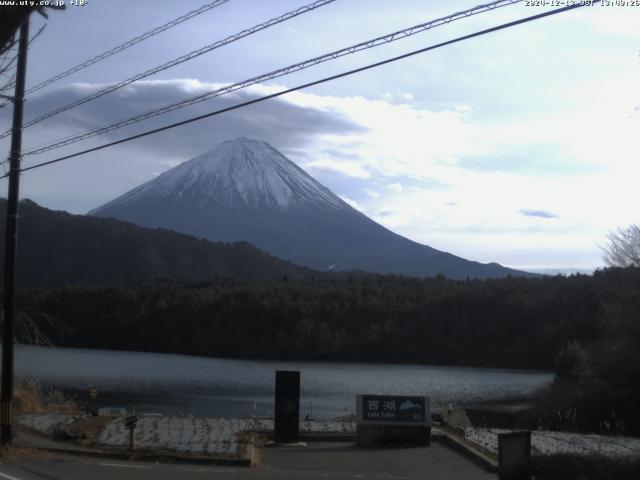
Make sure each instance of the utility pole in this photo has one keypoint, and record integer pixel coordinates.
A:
(12, 239)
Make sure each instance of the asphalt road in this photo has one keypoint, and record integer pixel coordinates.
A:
(332, 461)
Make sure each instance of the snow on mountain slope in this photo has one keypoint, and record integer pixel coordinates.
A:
(237, 172)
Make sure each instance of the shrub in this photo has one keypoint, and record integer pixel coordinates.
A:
(31, 397)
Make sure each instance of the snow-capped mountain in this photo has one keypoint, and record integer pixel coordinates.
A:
(246, 190)
(239, 173)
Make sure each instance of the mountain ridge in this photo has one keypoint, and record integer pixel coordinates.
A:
(58, 248)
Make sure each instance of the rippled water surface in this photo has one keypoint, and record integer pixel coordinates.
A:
(164, 383)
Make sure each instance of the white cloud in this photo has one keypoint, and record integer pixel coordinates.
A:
(617, 20)
(391, 96)
(352, 203)
(404, 143)
(371, 193)
(346, 167)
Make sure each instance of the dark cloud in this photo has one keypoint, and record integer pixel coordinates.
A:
(288, 127)
(537, 213)
(82, 183)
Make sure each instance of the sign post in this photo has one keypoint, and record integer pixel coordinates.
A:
(93, 393)
(130, 424)
(287, 407)
(393, 419)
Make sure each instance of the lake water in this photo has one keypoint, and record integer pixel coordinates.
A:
(174, 384)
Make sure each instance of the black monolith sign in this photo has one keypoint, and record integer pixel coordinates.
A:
(287, 407)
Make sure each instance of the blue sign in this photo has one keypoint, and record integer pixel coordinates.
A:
(393, 408)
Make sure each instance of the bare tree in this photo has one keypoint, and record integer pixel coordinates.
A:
(12, 16)
(623, 247)
(8, 59)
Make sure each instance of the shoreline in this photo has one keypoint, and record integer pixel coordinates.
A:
(319, 361)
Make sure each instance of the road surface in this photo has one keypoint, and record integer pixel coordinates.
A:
(330, 461)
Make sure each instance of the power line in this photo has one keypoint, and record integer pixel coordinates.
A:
(128, 44)
(307, 85)
(184, 58)
(391, 37)
(125, 45)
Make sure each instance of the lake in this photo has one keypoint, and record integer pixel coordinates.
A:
(176, 384)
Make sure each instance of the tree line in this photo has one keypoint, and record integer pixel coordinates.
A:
(596, 386)
(511, 322)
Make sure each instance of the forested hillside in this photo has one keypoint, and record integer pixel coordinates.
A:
(510, 322)
(56, 248)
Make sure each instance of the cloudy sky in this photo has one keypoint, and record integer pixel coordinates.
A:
(519, 147)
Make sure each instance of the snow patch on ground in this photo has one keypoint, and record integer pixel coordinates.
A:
(185, 434)
(548, 442)
(180, 434)
(201, 435)
(327, 427)
(47, 424)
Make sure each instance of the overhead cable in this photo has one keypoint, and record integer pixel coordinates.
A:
(307, 85)
(391, 37)
(184, 58)
(128, 44)
(123, 46)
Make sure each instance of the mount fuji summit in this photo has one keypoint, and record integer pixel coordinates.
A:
(246, 190)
